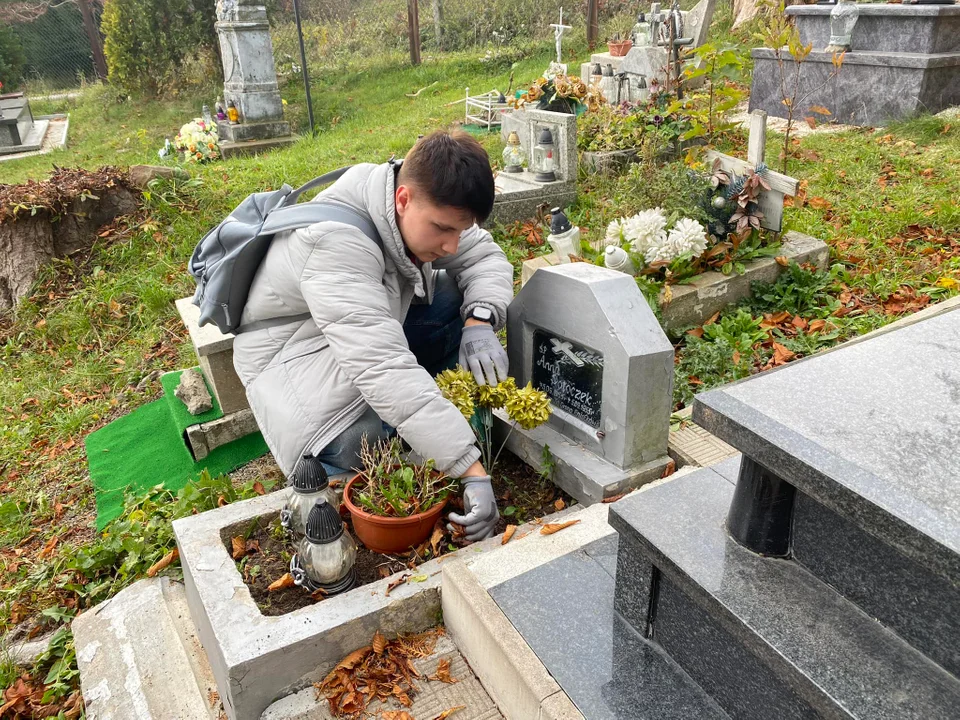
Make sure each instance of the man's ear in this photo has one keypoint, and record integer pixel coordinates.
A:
(402, 199)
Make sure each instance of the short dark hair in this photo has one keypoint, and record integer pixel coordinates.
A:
(453, 169)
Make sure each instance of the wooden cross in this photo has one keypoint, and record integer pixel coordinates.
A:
(770, 201)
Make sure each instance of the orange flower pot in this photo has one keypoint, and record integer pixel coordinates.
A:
(619, 49)
(390, 535)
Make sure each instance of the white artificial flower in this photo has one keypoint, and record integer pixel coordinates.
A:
(646, 229)
(687, 236)
(616, 232)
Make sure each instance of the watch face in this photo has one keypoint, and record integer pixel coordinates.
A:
(482, 313)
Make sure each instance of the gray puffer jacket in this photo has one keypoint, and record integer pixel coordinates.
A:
(308, 381)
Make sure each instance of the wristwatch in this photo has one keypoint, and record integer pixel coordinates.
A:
(482, 313)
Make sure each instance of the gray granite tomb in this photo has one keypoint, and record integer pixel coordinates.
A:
(904, 60)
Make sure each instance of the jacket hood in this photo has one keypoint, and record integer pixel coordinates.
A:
(372, 189)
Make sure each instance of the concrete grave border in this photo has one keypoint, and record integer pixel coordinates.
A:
(258, 659)
(694, 302)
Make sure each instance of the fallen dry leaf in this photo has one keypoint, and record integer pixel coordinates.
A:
(508, 533)
(284, 581)
(781, 355)
(816, 326)
(613, 498)
(447, 713)
(259, 489)
(213, 697)
(396, 715)
(396, 583)
(163, 562)
(782, 261)
(49, 547)
(551, 528)
(670, 469)
(436, 538)
(443, 672)
(239, 547)
(559, 505)
(318, 594)
(379, 643)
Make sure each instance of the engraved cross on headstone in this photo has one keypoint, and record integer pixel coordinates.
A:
(770, 201)
(558, 29)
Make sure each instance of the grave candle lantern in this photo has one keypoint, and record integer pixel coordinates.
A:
(310, 484)
(843, 17)
(326, 555)
(596, 75)
(544, 157)
(232, 115)
(513, 155)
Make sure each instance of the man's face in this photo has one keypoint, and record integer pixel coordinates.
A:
(429, 231)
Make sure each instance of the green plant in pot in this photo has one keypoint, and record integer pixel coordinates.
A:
(394, 503)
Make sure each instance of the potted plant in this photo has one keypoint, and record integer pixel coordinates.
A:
(619, 41)
(394, 503)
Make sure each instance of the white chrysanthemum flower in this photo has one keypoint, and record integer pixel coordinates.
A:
(687, 236)
(616, 233)
(645, 229)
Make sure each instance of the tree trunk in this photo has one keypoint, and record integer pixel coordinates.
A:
(438, 21)
(593, 24)
(413, 24)
(93, 34)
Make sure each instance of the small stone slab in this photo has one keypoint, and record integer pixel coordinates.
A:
(139, 658)
(762, 632)
(253, 147)
(192, 392)
(869, 430)
(207, 340)
(204, 438)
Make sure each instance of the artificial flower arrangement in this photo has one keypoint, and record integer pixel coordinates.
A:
(197, 140)
(646, 237)
(557, 91)
(527, 406)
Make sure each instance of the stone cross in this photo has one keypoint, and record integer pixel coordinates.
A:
(770, 201)
(558, 30)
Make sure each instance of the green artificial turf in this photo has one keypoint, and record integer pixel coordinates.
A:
(146, 448)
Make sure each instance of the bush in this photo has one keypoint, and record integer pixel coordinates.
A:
(149, 41)
(12, 59)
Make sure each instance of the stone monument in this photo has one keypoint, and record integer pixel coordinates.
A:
(650, 62)
(586, 336)
(19, 130)
(519, 195)
(904, 60)
(249, 79)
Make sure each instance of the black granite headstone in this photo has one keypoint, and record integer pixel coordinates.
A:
(570, 374)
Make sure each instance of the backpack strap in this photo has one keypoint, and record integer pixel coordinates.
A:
(329, 177)
(294, 217)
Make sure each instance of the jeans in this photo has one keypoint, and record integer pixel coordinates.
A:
(433, 335)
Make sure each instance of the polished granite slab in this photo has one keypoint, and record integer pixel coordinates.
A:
(766, 631)
(870, 430)
(564, 611)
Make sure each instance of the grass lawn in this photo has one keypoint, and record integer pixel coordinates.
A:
(96, 325)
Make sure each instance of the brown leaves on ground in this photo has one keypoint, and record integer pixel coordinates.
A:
(241, 547)
(508, 533)
(450, 711)
(551, 528)
(442, 673)
(380, 671)
(284, 581)
(559, 504)
(781, 355)
(163, 562)
(24, 700)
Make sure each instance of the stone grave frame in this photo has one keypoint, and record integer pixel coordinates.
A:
(519, 195)
(600, 322)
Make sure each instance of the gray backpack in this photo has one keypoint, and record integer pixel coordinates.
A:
(226, 259)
